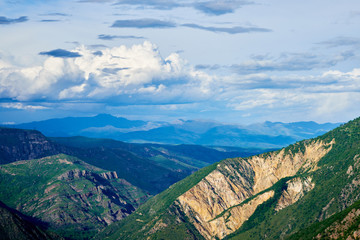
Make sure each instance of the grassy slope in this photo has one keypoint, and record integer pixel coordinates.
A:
(320, 227)
(152, 167)
(16, 226)
(265, 223)
(30, 179)
(330, 181)
(156, 208)
(113, 156)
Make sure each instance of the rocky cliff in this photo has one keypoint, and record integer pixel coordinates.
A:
(214, 204)
(268, 196)
(68, 194)
(17, 144)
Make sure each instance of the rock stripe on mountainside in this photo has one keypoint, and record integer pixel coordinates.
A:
(230, 185)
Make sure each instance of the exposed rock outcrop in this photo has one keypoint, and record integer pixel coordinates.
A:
(296, 189)
(109, 175)
(225, 189)
(18, 144)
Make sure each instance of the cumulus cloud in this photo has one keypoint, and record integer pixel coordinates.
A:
(230, 30)
(139, 75)
(5, 20)
(143, 23)
(119, 75)
(61, 53)
(112, 37)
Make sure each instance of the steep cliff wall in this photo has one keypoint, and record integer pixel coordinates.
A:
(214, 205)
(18, 144)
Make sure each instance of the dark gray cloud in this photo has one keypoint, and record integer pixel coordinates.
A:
(5, 20)
(62, 53)
(143, 23)
(230, 30)
(220, 7)
(112, 37)
(341, 41)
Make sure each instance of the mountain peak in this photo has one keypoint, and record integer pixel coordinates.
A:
(104, 115)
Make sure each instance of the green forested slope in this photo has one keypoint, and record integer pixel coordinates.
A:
(335, 179)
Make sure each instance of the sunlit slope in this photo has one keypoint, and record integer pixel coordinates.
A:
(271, 195)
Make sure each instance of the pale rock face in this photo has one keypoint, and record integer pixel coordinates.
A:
(279, 165)
(109, 175)
(296, 189)
(224, 189)
(234, 218)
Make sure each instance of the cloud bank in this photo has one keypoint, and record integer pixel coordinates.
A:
(5, 20)
(139, 75)
(119, 75)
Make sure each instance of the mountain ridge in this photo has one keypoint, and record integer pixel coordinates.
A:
(151, 167)
(271, 195)
(67, 193)
(261, 135)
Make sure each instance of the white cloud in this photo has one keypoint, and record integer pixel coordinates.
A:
(139, 75)
(121, 73)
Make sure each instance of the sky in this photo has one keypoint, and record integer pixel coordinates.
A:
(233, 61)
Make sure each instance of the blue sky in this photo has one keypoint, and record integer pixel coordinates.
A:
(229, 61)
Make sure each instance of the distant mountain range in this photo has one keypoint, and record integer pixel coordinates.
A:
(260, 135)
